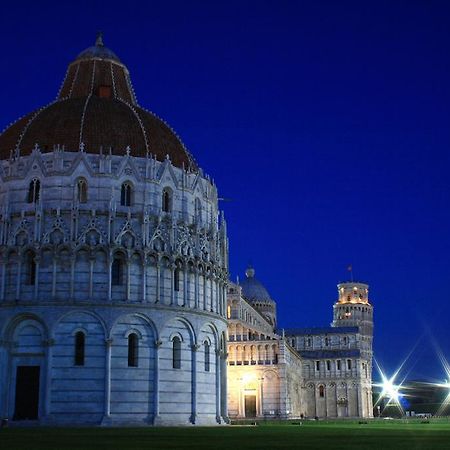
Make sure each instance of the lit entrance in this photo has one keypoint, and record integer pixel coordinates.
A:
(27, 393)
(250, 405)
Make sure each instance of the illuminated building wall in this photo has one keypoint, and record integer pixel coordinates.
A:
(323, 372)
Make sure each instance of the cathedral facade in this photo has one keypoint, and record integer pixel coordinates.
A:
(303, 372)
(114, 263)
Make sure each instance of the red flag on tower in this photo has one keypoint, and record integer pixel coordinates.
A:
(350, 269)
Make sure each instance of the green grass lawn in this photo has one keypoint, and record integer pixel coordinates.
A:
(311, 435)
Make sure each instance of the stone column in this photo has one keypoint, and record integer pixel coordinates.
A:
(185, 286)
(110, 279)
(261, 396)
(225, 302)
(224, 384)
(144, 279)
(36, 278)
(91, 276)
(48, 377)
(173, 267)
(194, 348)
(220, 292)
(72, 276)
(128, 286)
(156, 417)
(358, 393)
(211, 306)
(55, 266)
(19, 272)
(218, 386)
(2, 291)
(205, 288)
(107, 405)
(158, 282)
(4, 391)
(196, 288)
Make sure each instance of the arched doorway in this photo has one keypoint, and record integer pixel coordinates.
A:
(27, 371)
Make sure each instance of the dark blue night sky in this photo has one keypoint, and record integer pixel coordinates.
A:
(325, 123)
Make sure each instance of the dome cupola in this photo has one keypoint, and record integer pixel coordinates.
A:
(255, 292)
(96, 111)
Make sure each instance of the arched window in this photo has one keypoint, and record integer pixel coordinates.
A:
(166, 200)
(133, 350)
(207, 357)
(30, 269)
(82, 190)
(79, 348)
(176, 279)
(176, 352)
(321, 391)
(34, 191)
(117, 271)
(125, 194)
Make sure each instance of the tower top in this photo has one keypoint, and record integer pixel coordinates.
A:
(353, 292)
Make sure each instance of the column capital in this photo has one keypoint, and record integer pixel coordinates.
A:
(109, 342)
(157, 343)
(195, 347)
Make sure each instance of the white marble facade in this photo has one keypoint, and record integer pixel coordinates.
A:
(57, 278)
(303, 372)
(113, 275)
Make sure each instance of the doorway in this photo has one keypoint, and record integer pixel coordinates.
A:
(27, 393)
(250, 405)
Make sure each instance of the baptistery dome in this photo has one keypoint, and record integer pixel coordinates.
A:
(96, 110)
(113, 263)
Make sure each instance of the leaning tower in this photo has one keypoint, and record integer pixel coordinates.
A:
(353, 309)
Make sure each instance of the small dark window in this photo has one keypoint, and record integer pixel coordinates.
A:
(207, 357)
(328, 365)
(34, 191)
(31, 269)
(104, 91)
(82, 191)
(117, 271)
(79, 348)
(176, 279)
(133, 350)
(166, 200)
(349, 364)
(321, 391)
(176, 353)
(327, 342)
(338, 363)
(125, 194)
(317, 365)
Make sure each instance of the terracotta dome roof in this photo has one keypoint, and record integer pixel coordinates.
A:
(96, 109)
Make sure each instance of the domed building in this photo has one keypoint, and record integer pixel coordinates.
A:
(255, 292)
(319, 372)
(113, 266)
